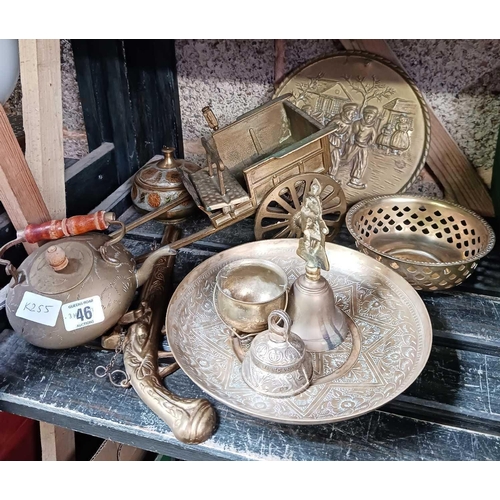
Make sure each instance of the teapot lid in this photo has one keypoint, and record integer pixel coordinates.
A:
(163, 174)
(47, 279)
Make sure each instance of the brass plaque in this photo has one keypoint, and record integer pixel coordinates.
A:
(382, 136)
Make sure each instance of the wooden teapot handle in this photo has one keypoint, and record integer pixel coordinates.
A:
(73, 226)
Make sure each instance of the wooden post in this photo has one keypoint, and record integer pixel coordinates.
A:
(42, 117)
(58, 443)
(459, 178)
(18, 190)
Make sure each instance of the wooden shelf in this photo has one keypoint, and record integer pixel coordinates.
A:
(444, 415)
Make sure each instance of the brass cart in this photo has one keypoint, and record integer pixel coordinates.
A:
(262, 164)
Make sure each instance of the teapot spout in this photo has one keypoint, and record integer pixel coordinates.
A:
(145, 271)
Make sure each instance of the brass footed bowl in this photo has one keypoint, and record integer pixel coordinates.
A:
(433, 244)
(247, 291)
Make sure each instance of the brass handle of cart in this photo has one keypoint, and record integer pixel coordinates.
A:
(214, 159)
(210, 117)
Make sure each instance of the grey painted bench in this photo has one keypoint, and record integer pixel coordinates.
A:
(452, 411)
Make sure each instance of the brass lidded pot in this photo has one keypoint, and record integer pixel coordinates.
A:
(159, 182)
(278, 364)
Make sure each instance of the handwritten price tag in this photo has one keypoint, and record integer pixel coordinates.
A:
(39, 309)
(82, 313)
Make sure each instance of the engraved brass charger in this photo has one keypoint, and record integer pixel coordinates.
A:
(380, 121)
(395, 329)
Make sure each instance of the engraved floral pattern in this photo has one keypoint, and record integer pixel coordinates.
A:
(395, 329)
(154, 200)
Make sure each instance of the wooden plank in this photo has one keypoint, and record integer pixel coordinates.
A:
(80, 165)
(58, 444)
(69, 161)
(458, 387)
(279, 61)
(458, 177)
(455, 388)
(91, 179)
(42, 118)
(154, 96)
(117, 95)
(92, 94)
(465, 320)
(19, 193)
(54, 391)
(118, 201)
(102, 80)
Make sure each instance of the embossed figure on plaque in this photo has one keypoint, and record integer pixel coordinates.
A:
(362, 137)
(400, 139)
(384, 138)
(340, 136)
(382, 132)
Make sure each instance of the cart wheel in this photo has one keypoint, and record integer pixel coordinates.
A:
(274, 217)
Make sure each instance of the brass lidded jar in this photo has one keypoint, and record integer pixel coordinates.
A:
(159, 182)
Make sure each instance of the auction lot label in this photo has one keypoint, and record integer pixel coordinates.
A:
(82, 313)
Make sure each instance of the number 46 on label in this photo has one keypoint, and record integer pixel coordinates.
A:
(82, 313)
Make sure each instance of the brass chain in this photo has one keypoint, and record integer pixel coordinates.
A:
(101, 371)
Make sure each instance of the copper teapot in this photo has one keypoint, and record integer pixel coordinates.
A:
(69, 293)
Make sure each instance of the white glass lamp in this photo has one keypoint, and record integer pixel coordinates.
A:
(9, 67)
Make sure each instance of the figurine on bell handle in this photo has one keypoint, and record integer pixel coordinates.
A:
(316, 319)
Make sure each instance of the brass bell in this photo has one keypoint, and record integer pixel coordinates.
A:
(317, 320)
(277, 364)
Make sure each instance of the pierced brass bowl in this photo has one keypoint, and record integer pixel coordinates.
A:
(433, 244)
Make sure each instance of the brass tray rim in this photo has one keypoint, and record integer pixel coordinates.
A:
(365, 203)
(397, 280)
(397, 69)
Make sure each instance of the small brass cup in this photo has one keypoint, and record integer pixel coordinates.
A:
(247, 291)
